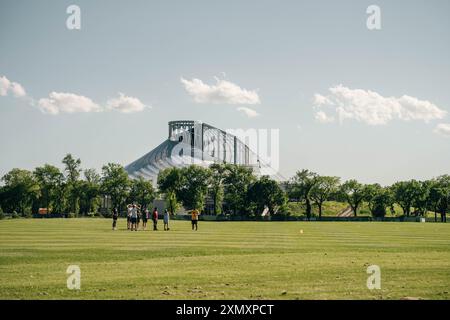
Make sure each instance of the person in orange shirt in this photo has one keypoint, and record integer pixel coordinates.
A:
(194, 219)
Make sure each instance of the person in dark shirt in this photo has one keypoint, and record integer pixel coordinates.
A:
(155, 219)
(144, 218)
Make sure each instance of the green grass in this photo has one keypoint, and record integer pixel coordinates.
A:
(224, 260)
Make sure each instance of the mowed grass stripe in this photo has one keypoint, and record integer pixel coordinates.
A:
(231, 260)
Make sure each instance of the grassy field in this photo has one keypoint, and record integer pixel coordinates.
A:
(224, 260)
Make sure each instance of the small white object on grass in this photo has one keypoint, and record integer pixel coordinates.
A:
(301, 231)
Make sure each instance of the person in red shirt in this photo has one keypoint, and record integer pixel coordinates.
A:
(155, 219)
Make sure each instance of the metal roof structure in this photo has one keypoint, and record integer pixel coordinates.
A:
(193, 142)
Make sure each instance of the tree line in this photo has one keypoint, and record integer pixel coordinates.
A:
(414, 197)
(231, 189)
(71, 190)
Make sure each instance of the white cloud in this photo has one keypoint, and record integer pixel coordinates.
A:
(64, 102)
(372, 108)
(443, 129)
(60, 102)
(4, 86)
(320, 100)
(223, 92)
(322, 117)
(248, 112)
(125, 104)
(17, 90)
(7, 86)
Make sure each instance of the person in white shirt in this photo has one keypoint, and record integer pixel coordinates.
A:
(134, 216)
(129, 207)
(166, 220)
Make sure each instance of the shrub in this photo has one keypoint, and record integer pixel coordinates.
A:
(91, 214)
(27, 213)
(379, 211)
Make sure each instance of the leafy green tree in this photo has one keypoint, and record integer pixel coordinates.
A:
(48, 177)
(266, 192)
(19, 191)
(217, 186)
(115, 183)
(371, 191)
(194, 187)
(404, 194)
(378, 199)
(169, 184)
(89, 192)
(171, 202)
(236, 183)
(441, 192)
(353, 193)
(61, 195)
(322, 190)
(436, 196)
(422, 199)
(300, 188)
(73, 170)
(142, 192)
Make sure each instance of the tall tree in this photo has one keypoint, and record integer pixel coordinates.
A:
(142, 192)
(421, 200)
(115, 183)
(300, 188)
(236, 182)
(324, 187)
(172, 202)
(371, 191)
(89, 191)
(404, 194)
(377, 199)
(61, 196)
(194, 187)
(73, 170)
(169, 184)
(19, 191)
(436, 196)
(48, 178)
(266, 192)
(444, 196)
(217, 186)
(353, 192)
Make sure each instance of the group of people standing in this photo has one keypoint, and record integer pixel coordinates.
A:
(135, 214)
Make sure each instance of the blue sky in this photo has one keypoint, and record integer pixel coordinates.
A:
(384, 93)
